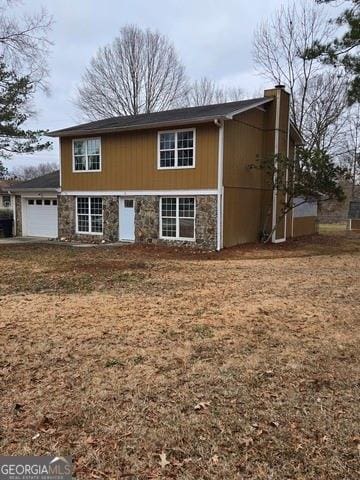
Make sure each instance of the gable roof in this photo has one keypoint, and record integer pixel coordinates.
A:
(50, 181)
(4, 186)
(179, 116)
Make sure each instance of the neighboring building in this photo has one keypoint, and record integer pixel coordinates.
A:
(354, 215)
(5, 196)
(333, 211)
(177, 177)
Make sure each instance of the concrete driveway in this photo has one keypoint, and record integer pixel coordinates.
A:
(19, 240)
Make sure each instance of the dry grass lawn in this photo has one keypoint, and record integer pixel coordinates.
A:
(148, 363)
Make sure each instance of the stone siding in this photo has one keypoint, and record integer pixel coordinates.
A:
(67, 220)
(18, 214)
(147, 219)
(66, 217)
(147, 222)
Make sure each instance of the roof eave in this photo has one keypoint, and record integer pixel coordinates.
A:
(33, 189)
(169, 123)
(146, 126)
(231, 115)
(296, 135)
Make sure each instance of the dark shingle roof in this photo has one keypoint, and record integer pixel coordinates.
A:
(167, 117)
(50, 181)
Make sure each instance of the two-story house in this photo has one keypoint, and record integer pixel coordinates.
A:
(177, 177)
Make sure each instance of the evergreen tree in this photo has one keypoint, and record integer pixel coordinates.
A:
(15, 94)
(344, 51)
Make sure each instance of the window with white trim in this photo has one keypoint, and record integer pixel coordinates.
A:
(87, 156)
(176, 149)
(177, 218)
(89, 214)
(6, 201)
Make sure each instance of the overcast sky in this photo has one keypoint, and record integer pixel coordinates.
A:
(213, 39)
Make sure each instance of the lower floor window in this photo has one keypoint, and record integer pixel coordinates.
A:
(177, 218)
(89, 211)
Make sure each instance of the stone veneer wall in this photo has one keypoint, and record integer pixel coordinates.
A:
(67, 220)
(147, 222)
(18, 213)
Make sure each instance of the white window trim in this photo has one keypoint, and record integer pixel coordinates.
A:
(86, 155)
(176, 167)
(177, 238)
(3, 201)
(89, 216)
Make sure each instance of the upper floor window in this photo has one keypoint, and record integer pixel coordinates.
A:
(87, 155)
(176, 149)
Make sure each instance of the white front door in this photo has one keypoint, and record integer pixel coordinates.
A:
(127, 219)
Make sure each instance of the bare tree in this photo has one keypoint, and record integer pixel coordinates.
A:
(25, 172)
(139, 72)
(24, 42)
(325, 111)
(280, 52)
(206, 92)
(350, 156)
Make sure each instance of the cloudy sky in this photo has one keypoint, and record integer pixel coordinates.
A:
(213, 39)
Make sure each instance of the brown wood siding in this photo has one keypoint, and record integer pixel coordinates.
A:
(129, 162)
(248, 193)
(269, 147)
(243, 143)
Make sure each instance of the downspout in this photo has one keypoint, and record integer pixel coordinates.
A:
(220, 186)
(293, 180)
(276, 152)
(13, 204)
(287, 172)
(60, 173)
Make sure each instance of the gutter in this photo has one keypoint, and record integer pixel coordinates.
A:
(144, 126)
(74, 131)
(25, 190)
(220, 187)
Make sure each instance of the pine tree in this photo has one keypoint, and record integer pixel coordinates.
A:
(15, 93)
(344, 51)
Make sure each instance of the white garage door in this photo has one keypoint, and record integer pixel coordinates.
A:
(41, 217)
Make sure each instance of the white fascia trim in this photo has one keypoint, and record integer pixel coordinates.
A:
(230, 116)
(132, 193)
(33, 191)
(37, 193)
(144, 126)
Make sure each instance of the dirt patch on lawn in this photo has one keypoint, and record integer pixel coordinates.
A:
(151, 363)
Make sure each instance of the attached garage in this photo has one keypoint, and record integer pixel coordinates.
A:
(40, 217)
(36, 206)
